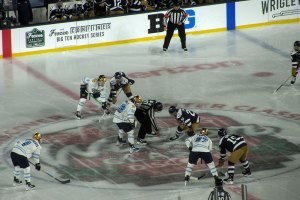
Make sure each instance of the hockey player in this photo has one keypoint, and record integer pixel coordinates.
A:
(95, 88)
(145, 114)
(188, 121)
(117, 82)
(21, 152)
(200, 146)
(238, 148)
(124, 118)
(295, 61)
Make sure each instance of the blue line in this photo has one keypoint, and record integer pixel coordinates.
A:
(230, 14)
(263, 44)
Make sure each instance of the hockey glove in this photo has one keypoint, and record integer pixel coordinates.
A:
(95, 91)
(38, 166)
(131, 82)
(190, 148)
(104, 105)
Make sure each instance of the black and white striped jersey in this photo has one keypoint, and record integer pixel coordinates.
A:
(230, 143)
(147, 107)
(175, 16)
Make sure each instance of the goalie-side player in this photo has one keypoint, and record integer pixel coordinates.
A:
(295, 56)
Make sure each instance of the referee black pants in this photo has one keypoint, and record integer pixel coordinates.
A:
(170, 31)
(146, 126)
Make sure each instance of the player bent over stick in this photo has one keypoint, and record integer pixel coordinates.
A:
(238, 148)
(200, 146)
(188, 121)
(124, 118)
(21, 152)
(95, 88)
(117, 82)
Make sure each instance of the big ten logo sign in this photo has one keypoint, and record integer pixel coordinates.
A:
(156, 22)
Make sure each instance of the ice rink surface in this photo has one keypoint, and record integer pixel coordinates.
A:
(228, 78)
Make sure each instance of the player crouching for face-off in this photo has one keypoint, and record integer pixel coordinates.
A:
(188, 121)
(117, 82)
(124, 118)
(200, 146)
(95, 88)
(295, 61)
(21, 152)
(238, 148)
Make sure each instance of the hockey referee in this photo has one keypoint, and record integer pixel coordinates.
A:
(173, 19)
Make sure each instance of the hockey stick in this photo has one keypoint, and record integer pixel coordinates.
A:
(282, 84)
(194, 178)
(59, 180)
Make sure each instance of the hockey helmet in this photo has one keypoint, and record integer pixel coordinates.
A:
(222, 132)
(204, 131)
(297, 45)
(102, 79)
(172, 109)
(137, 99)
(37, 136)
(118, 75)
(158, 106)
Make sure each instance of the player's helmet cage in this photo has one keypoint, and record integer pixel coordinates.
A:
(222, 132)
(137, 99)
(297, 45)
(118, 75)
(102, 79)
(158, 106)
(37, 136)
(172, 109)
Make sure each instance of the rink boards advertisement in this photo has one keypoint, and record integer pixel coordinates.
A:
(146, 26)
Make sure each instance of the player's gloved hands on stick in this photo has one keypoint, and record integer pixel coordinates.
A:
(38, 166)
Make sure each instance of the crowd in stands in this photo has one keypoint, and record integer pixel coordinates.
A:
(63, 10)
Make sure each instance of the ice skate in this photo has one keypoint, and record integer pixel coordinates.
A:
(293, 80)
(175, 137)
(78, 115)
(29, 186)
(133, 149)
(247, 172)
(141, 141)
(16, 182)
(120, 141)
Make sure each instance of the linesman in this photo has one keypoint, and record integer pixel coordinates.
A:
(173, 19)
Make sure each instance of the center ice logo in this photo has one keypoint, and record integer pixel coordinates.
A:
(89, 151)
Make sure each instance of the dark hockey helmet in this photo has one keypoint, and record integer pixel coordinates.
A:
(297, 45)
(118, 75)
(172, 109)
(158, 106)
(37, 136)
(222, 132)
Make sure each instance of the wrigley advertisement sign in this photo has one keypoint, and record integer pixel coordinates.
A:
(35, 38)
(280, 7)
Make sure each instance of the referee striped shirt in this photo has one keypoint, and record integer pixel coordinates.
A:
(175, 16)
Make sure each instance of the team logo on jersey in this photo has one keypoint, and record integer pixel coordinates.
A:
(35, 38)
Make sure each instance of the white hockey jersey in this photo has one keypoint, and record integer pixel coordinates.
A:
(200, 143)
(92, 86)
(28, 148)
(125, 113)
